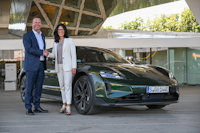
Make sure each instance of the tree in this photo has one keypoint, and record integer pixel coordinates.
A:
(188, 23)
(108, 27)
(172, 22)
(134, 25)
(164, 23)
(185, 22)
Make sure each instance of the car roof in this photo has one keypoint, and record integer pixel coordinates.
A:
(94, 48)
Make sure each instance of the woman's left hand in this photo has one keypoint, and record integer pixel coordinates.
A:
(73, 71)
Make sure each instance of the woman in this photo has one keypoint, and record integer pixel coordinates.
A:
(64, 52)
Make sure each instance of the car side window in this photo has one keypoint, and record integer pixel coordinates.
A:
(85, 55)
(110, 59)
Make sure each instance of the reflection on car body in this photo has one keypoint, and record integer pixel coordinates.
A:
(104, 78)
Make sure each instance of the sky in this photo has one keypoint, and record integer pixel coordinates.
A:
(146, 13)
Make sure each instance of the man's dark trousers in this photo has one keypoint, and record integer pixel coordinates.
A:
(34, 82)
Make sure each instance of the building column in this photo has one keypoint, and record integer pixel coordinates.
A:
(170, 61)
(194, 7)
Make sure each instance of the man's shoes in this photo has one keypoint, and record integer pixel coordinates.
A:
(40, 110)
(29, 112)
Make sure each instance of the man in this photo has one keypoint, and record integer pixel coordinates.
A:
(34, 65)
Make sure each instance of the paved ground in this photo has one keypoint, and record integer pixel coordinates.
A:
(183, 117)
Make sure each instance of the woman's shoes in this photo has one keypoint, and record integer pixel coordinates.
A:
(62, 110)
(68, 110)
(65, 108)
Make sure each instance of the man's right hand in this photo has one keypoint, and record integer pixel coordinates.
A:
(45, 53)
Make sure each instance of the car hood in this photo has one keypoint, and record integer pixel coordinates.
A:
(138, 74)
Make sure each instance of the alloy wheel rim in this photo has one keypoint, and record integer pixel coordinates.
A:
(82, 94)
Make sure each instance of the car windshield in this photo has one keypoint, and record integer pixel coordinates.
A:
(97, 55)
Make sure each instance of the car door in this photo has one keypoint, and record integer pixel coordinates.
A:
(51, 84)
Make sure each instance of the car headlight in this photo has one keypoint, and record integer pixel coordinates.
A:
(113, 75)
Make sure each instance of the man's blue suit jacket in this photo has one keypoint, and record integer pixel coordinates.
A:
(32, 52)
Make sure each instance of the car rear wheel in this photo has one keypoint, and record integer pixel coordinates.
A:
(22, 87)
(84, 95)
(155, 106)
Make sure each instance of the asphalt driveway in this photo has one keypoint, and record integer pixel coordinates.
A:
(182, 117)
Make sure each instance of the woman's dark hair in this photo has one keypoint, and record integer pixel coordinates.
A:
(56, 36)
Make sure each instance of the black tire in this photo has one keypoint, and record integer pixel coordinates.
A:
(84, 95)
(22, 87)
(155, 106)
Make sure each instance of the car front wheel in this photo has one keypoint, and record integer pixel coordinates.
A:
(83, 96)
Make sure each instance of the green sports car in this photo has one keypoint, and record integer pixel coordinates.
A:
(104, 78)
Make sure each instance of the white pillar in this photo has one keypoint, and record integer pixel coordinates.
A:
(195, 8)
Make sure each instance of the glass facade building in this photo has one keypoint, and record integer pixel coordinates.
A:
(82, 17)
(184, 63)
(129, 5)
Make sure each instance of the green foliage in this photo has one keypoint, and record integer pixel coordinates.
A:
(108, 27)
(185, 22)
(134, 25)
(188, 22)
(164, 23)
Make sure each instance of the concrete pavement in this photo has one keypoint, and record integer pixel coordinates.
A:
(182, 117)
